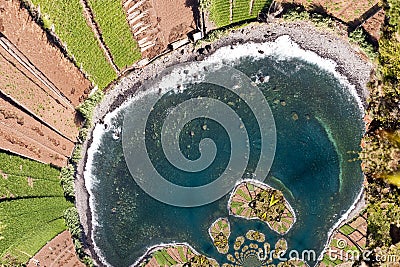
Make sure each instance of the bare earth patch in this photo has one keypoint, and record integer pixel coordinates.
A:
(58, 252)
(157, 23)
(53, 147)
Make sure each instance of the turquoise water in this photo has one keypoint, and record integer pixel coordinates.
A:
(318, 123)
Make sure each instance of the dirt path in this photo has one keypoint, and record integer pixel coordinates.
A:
(95, 28)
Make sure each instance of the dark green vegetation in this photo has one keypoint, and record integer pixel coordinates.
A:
(381, 148)
(115, 31)
(73, 223)
(225, 12)
(87, 107)
(32, 205)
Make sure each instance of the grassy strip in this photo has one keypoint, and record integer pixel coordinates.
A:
(70, 25)
(115, 31)
(14, 165)
(20, 186)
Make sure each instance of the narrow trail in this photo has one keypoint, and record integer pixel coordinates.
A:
(251, 3)
(230, 11)
(87, 12)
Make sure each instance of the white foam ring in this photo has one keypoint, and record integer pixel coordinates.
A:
(283, 48)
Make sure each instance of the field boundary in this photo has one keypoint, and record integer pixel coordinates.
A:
(89, 17)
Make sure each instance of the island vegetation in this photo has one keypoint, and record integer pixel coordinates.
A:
(253, 200)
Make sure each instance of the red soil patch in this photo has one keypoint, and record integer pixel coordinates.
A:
(31, 40)
(24, 88)
(36, 136)
(157, 23)
(373, 25)
(175, 19)
(58, 252)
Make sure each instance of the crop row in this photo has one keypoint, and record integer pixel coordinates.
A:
(241, 10)
(260, 5)
(14, 165)
(72, 28)
(34, 240)
(31, 207)
(220, 10)
(115, 30)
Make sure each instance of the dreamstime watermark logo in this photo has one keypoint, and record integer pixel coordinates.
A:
(342, 252)
(136, 120)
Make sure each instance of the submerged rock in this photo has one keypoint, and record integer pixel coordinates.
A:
(295, 117)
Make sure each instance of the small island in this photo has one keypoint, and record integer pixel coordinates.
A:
(219, 232)
(253, 250)
(255, 200)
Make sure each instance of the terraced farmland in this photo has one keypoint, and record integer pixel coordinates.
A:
(71, 27)
(115, 30)
(225, 12)
(21, 31)
(31, 206)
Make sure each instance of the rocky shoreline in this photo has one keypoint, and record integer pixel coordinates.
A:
(321, 41)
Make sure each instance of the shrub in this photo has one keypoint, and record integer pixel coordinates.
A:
(380, 154)
(67, 181)
(296, 14)
(72, 222)
(77, 155)
(215, 35)
(393, 13)
(389, 58)
(380, 216)
(87, 107)
(359, 37)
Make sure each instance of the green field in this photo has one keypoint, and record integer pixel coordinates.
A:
(71, 27)
(115, 30)
(241, 11)
(220, 12)
(32, 205)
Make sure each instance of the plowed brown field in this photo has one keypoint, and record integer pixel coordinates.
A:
(32, 41)
(20, 85)
(58, 252)
(39, 90)
(22, 134)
